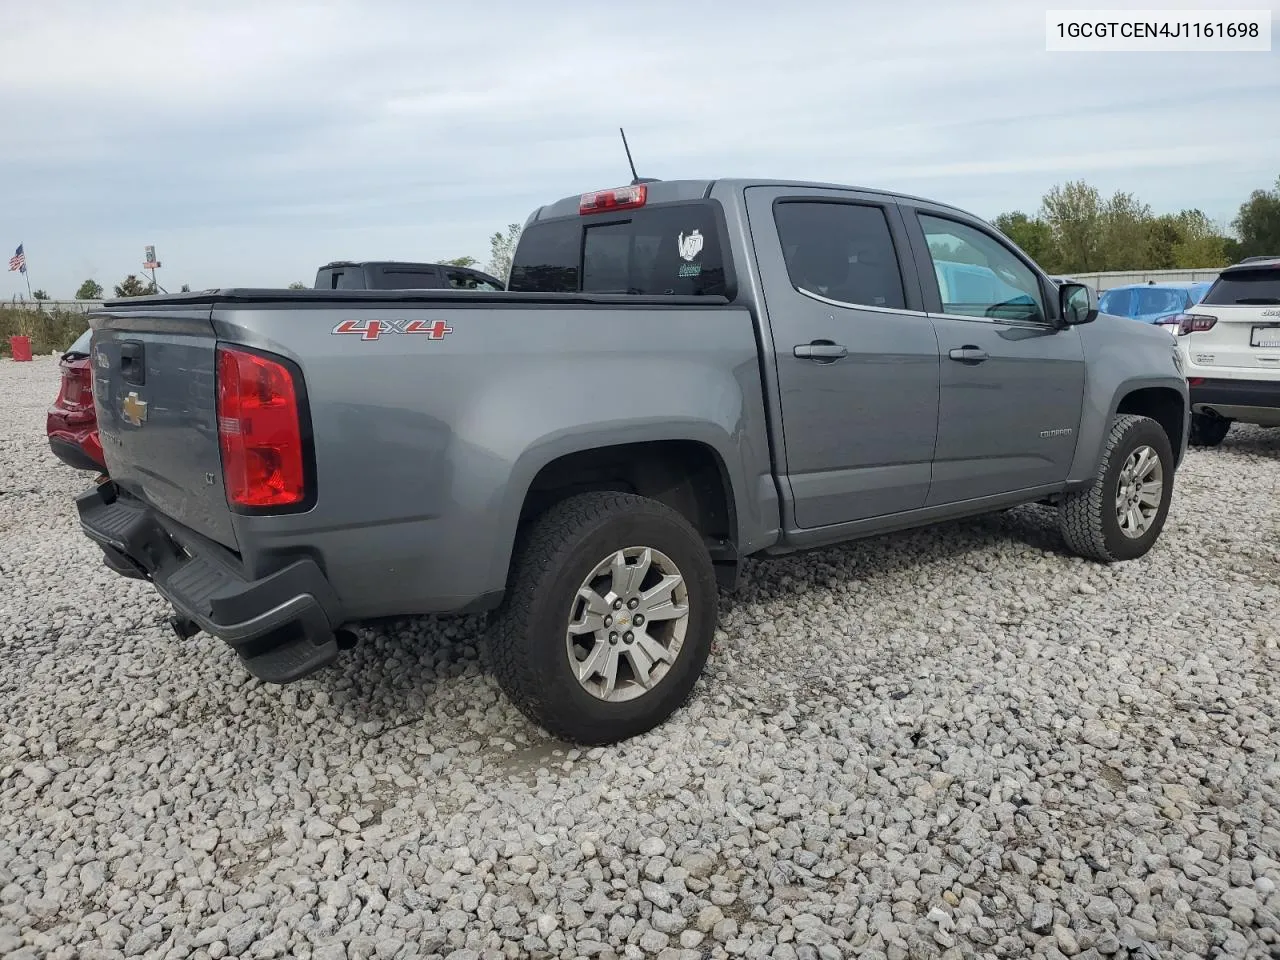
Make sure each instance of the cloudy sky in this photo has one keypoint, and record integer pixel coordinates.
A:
(253, 141)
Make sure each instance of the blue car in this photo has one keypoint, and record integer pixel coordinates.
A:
(1153, 302)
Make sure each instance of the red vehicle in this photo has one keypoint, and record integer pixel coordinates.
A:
(72, 424)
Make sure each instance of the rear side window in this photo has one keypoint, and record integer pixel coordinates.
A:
(1244, 287)
(406, 279)
(667, 250)
(842, 251)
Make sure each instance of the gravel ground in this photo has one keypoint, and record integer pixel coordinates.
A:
(955, 742)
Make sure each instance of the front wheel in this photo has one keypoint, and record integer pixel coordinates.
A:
(1121, 515)
(609, 617)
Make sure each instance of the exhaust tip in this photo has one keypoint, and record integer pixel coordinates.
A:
(346, 638)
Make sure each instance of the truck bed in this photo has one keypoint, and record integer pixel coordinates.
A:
(419, 448)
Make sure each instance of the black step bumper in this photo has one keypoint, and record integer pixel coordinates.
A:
(1235, 393)
(281, 625)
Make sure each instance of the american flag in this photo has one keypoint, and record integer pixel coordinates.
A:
(18, 261)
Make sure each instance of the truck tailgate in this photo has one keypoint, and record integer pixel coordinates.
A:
(156, 399)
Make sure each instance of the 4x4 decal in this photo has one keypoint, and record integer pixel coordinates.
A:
(373, 329)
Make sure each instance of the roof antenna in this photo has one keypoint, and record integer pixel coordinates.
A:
(636, 179)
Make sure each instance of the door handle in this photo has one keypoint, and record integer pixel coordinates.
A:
(822, 351)
(968, 354)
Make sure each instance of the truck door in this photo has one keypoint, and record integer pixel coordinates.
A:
(857, 358)
(1012, 378)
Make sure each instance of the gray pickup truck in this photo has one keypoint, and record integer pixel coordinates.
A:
(680, 374)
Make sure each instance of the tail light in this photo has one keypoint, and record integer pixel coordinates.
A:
(1190, 323)
(259, 431)
(77, 387)
(620, 198)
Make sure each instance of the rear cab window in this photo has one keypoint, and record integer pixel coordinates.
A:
(1240, 288)
(670, 249)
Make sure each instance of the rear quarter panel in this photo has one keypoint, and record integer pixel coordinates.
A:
(425, 448)
(1120, 357)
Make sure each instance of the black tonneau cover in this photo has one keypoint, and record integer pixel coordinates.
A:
(442, 298)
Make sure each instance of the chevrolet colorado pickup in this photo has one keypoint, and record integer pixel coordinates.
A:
(679, 374)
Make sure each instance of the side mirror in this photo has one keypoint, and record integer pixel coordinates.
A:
(1078, 303)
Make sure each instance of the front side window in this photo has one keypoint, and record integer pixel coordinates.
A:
(841, 251)
(980, 277)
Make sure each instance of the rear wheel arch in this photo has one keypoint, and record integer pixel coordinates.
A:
(688, 475)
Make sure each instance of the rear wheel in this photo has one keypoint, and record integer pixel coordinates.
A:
(609, 617)
(1207, 431)
(1121, 515)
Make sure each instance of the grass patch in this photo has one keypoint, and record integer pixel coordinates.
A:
(49, 329)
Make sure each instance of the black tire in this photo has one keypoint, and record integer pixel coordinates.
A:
(1088, 519)
(1207, 431)
(555, 553)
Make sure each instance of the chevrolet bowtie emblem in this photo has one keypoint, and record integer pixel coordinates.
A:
(134, 410)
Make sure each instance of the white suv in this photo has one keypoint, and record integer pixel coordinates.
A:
(1230, 347)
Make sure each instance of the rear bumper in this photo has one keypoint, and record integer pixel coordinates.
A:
(282, 625)
(73, 438)
(73, 454)
(1248, 400)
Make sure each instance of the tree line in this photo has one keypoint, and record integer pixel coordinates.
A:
(1077, 230)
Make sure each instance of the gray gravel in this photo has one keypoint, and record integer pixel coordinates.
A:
(955, 742)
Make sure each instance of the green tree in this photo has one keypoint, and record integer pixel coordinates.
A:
(1258, 224)
(40, 295)
(463, 261)
(1164, 234)
(1033, 235)
(502, 248)
(131, 286)
(297, 285)
(1125, 233)
(1074, 214)
(89, 290)
(1200, 244)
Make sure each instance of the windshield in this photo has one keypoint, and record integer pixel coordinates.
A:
(1143, 301)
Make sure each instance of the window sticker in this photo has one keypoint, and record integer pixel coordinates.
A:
(689, 246)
